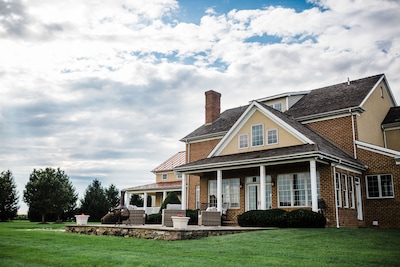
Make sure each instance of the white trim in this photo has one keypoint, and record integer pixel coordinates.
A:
(244, 118)
(277, 136)
(335, 114)
(372, 90)
(380, 150)
(379, 186)
(251, 134)
(247, 139)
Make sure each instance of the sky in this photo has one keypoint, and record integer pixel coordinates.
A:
(106, 89)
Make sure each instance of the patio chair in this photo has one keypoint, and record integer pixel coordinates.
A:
(209, 218)
(135, 217)
(171, 210)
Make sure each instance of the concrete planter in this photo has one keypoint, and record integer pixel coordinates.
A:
(82, 219)
(180, 222)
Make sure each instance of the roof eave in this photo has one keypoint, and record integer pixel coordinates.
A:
(344, 111)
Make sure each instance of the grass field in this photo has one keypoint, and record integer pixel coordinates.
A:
(31, 244)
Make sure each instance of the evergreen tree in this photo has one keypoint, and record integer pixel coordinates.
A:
(95, 202)
(136, 200)
(8, 196)
(113, 196)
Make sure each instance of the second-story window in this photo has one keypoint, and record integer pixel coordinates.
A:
(243, 141)
(257, 135)
(164, 176)
(272, 136)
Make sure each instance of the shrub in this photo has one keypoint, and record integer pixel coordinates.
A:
(304, 219)
(194, 216)
(154, 218)
(261, 218)
(172, 198)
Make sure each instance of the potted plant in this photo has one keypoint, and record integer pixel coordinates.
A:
(180, 221)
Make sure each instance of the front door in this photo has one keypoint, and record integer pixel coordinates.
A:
(359, 200)
(253, 197)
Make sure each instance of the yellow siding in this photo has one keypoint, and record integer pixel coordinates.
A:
(369, 123)
(171, 177)
(281, 100)
(284, 137)
(393, 139)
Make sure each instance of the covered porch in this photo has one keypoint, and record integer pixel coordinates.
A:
(269, 179)
(156, 191)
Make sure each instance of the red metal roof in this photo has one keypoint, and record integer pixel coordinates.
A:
(174, 161)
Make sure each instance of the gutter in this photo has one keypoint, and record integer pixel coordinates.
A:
(356, 110)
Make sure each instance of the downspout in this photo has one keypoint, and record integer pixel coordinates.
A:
(354, 134)
(384, 136)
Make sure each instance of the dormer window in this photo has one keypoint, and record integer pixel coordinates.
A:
(277, 106)
(164, 176)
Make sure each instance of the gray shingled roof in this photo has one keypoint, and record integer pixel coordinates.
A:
(226, 120)
(393, 116)
(321, 146)
(335, 97)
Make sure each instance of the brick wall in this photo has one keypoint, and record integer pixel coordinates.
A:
(338, 131)
(198, 151)
(385, 211)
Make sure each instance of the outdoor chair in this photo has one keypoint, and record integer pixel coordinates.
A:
(209, 218)
(135, 217)
(171, 210)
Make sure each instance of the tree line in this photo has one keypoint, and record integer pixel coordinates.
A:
(50, 196)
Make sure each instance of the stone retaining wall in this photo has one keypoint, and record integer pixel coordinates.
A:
(156, 233)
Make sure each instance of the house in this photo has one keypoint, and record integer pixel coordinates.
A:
(334, 149)
(166, 181)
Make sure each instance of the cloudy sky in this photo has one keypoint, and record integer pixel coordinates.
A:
(106, 89)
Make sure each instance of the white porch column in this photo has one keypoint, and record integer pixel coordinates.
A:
(183, 194)
(313, 176)
(164, 195)
(219, 190)
(145, 201)
(263, 202)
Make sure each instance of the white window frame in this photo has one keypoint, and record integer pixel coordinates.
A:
(352, 199)
(379, 180)
(197, 196)
(245, 142)
(252, 135)
(164, 176)
(345, 191)
(306, 191)
(338, 190)
(230, 192)
(270, 131)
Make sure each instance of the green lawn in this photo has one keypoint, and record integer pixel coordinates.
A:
(27, 244)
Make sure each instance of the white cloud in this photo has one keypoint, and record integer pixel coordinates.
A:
(106, 89)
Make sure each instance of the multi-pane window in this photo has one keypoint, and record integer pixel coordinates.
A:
(277, 106)
(351, 179)
(295, 190)
(338, 190)
(379, 186)
(230, 192)
(272, 136)
(345, 191)
(257, 135)
(243, 141)
(197, 196)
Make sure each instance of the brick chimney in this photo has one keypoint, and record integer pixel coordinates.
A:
(213, 106)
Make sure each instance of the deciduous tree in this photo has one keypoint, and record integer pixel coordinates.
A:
(49, 191)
